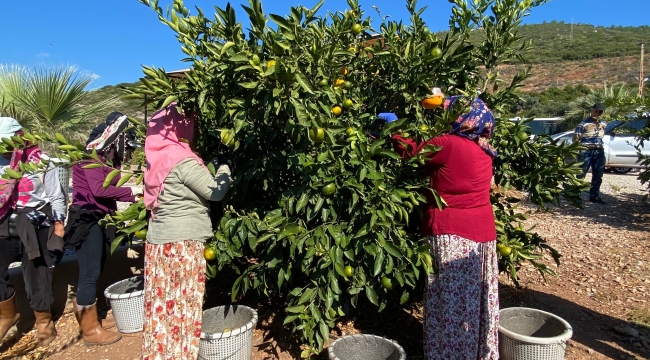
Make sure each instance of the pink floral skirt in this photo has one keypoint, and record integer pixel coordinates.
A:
(461, 301)
(174, 285)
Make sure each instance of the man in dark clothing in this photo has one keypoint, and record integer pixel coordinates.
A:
(590, 133)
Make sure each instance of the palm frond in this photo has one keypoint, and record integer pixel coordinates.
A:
(619, 102)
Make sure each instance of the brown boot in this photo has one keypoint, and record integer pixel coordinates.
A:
(45, 330)
(91, 331)
(8, 315)
(106, 323)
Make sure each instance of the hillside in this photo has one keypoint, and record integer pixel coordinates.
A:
(552, 42)
(130, 107)
(579, 54)
(587, 55)
(592, 73)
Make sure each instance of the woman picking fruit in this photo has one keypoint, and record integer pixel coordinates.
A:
(461, 298)
(177, 190)
(39, 204)
(92, 200)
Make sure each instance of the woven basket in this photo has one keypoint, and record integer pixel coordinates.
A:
(365, 347)
(530, 334)
(234, 344)
(127, 301)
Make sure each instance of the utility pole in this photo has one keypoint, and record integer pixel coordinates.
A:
(571, 36)
(641, 82)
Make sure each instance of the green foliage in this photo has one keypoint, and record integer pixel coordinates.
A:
(70, 151)
(566, 94)
(551, 109)
(128, 222)
(536, 165)
(137, 157)
(552, 102)
(302, 209)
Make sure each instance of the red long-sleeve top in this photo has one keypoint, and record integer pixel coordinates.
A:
(461, 173)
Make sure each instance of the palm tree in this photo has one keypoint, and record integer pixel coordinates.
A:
(50, 99)
(619, 102)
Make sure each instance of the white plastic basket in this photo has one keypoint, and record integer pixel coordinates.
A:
(64, 179)
(127, 301)
(236, 343)
(364, 347)
(530, 334)
(62, 168)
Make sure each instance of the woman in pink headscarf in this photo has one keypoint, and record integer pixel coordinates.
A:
(178, 189)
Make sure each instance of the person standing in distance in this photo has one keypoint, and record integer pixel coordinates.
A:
(590, 133)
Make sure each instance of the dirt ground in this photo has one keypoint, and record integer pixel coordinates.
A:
(602, 290)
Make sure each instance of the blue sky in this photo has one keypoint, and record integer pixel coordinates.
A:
(112, 38)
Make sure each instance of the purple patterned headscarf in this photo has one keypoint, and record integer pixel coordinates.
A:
(477, 124)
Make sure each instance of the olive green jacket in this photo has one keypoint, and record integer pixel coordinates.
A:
(183, 204)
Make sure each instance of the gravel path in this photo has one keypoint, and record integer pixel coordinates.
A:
(603, 283)
(621, 184)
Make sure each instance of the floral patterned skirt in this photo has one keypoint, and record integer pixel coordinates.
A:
(461, 301)
(174, 284)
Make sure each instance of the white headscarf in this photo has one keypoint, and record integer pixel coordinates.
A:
(8, 127)
(109, 135)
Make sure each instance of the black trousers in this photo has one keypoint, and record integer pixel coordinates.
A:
(36, 273)
(91, 256)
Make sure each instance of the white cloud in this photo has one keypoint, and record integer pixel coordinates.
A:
(43, 55)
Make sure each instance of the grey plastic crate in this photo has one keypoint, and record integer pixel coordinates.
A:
(227, 333)
(127, 301)
(530, 334)
(364, 347)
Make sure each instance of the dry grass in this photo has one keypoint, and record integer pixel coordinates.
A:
(24, 348)
(640, 316)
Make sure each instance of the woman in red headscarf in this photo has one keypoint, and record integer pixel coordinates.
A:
(461, 300)
(178, 189)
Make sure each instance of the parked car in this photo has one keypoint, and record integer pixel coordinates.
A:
(619, 141)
